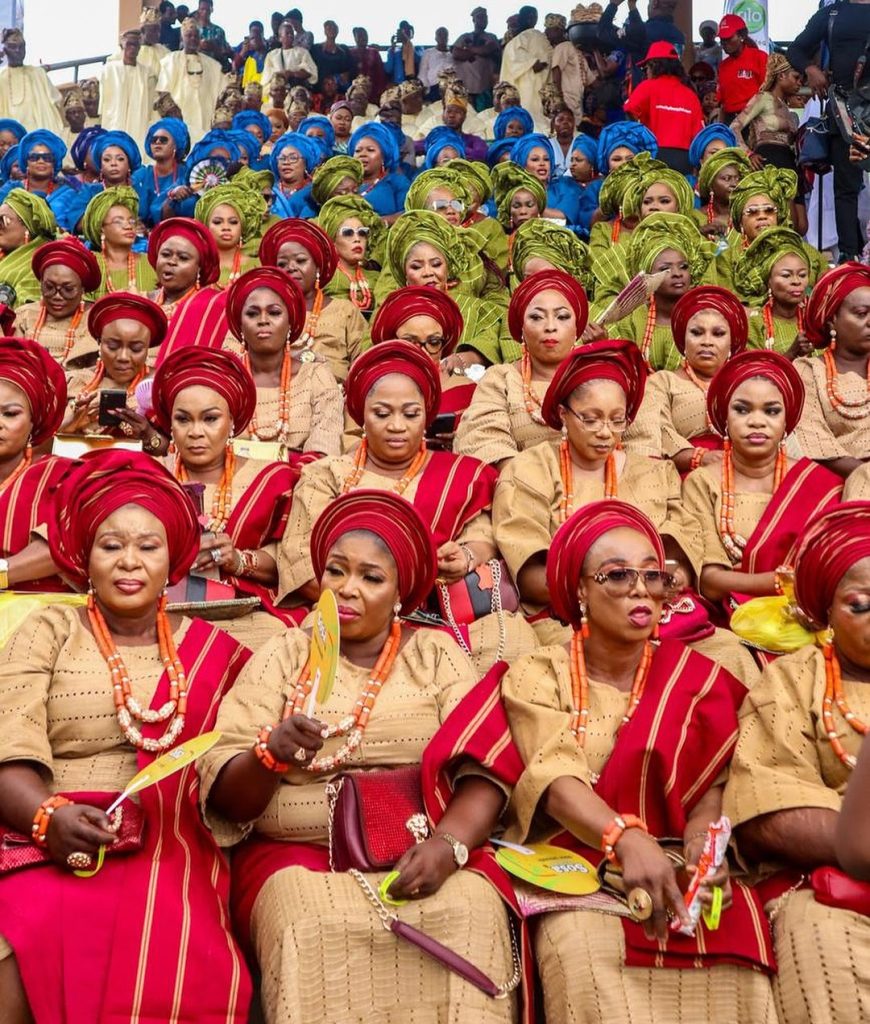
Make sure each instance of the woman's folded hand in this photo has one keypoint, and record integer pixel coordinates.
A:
(77, 828)
(423, 870)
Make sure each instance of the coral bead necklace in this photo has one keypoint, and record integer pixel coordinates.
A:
(834, 695)
(611, 487)
(732, 541)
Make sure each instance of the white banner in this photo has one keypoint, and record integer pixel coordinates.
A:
(754, 13)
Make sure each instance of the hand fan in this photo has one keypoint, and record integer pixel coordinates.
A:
(208, 173)
(550, 867)
(143, 395)
(634, 294)
(324, 650)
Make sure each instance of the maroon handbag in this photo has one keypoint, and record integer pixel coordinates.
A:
(834, 888)
(375, 817)
(17, 851)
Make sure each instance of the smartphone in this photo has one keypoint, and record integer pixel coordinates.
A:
(111, 398)
(444, 423)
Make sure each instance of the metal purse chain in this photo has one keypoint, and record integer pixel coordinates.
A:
(495, 607)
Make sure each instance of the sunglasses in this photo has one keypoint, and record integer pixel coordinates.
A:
(354, 232)
(754, 210)
(619, 582)
(438, 205)
(37, 158)
(161, 140)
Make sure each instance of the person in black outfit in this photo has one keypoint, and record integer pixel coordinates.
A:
(169, 37)
(848, 22)
(332, 59)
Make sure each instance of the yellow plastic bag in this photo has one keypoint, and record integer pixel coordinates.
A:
(14, 608)
(768, 624)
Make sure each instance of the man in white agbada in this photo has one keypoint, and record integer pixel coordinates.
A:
(26, 93)
(193, 80)
(127, 91)
(294, 62)
(151, 51)
(525, 61)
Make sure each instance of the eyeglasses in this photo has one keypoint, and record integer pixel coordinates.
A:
(35, 158)
(619, 581)
(290, 158)
(354, 232)
(754, 210)
(596, 423)
(121, 222)
(432, 345)
(66, 291)
(437, 205)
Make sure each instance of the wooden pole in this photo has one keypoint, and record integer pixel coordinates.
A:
(685, 23)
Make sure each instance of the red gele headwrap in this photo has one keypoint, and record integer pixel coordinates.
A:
(304, 233)
(399, 526)
(828, 548)
(543, 280)
(404, 303)
(619, 361)
(127, 306)
(571, 544)
(102, 482)
(28, 366)
(209, 368)
(199, 237)
(276, 281)
(393, 357)
(827, 297)
(70, 253)
(706, 297)
(770, 365)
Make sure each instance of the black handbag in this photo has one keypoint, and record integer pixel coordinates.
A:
(813, 145)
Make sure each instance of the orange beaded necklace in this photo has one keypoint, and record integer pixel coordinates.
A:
(236, 269)
(19, 470)
(170, 307)
(849, 410)
(262, 433)
(127, 708)
(769, 327)
(311, 321)
(580, 688)
(834, 695)
(401, 485)
(131, 272)
(354, 725)
(611, 487)
(97, 379)
(649, 329)
(222, 503)
(616, 230)
(533, 403)
(69, 337)
(733, 542)
(359, 292)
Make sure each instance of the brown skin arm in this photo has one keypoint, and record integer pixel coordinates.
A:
(802, 836)
(842, 466)
(717, 582)
(852, 834)
(31, 563)
(532, 580)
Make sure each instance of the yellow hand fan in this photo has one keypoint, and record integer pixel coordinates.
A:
(549, 867)
(324, 650)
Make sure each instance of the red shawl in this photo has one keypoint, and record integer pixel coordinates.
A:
(200, 320)
(453, 489)
(25, 504)
(147, 938)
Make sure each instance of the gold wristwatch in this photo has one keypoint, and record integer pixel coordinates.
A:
(4, 574)
(460, 850)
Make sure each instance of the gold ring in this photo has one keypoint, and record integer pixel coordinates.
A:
(301, 755)
(80, 861)
(640, 904)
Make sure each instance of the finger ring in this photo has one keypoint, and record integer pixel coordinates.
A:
(80, 861)
(301, 755)
(640, 904)
(216, 556)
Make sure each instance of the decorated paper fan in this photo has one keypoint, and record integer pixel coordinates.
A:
(208, 173)
(143, 396)
(634, 294)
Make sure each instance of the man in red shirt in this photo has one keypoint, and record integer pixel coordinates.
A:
(667, 105)
(744, 69)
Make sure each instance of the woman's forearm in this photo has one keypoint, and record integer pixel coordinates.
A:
(22, 790)
(804, 837)
(577, 808)
(31, 563)
(718, 583)
(473, 811)
(532, 582)
(853, 822)
(243, 788)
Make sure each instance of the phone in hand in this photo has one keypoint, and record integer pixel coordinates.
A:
(444, 423)
(111, 398)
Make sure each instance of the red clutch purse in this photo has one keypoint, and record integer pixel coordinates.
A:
(835, 888)
(374, 818)
(17, 851)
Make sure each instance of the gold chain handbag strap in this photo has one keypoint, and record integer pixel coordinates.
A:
(495, 607)
(333, 788)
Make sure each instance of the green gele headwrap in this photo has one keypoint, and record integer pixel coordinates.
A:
(752, 270)
(477, 176)
(98, 208)
(618, 183)
(673, 180)
(717, 163)
(507, 180)
(555, 244)
(661, 231)
(777, 182)
(330, 174)
(437, 177)
(337, 210)
(248, 202)
(34, 212)
(424, 226)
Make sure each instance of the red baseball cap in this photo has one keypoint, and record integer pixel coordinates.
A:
(659, 51)
(730, 25)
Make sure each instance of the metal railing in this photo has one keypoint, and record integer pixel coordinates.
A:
(62, 65)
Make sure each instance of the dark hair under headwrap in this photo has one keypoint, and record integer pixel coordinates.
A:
(545, 280)
(193, 366)
(404, 303)
(744, 366)
(126, 143)
(70, 253)
(401, 357)
(398, 525)
(197, 235)
(619, 361)
(102, 482)
(28, 366)
(571, 544)
(827, 297)
(275, 280)
(830, 545)
(707, 297)
(305, 233)
(176, 129)
(127, 306)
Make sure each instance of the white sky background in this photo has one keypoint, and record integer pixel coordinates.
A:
(64, 30)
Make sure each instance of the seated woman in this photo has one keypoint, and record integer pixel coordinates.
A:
(627, 744)
(334, 326)
(66, 272)
(752, 504)
(592, 400)
(663, 242)
(709, 325)
(377, 555)
(547, 316)
(299, 405)
(622, 140)
(337, 176)
(383, 186)
(234, 215)
(26, 223)
(162, 185)
(709, 141)
(441, 145)
(834, 428)
(774, 276)
(185, 259)
(126, 329)
(424, 251)
(518, 197)
(542, 245)
(293, 160)
(359, 236)
(512, 123)
(477, 181)
(534, 153)
(123, 527)
(720, 175)
(40, 156)
(800, 732)
(109, 226)
(581, 167)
